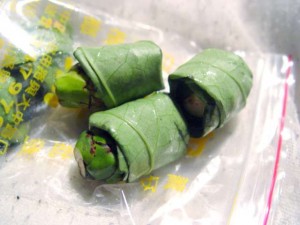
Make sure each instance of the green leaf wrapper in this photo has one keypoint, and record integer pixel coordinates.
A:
(220, 79)
(149, 133)
(120, 73)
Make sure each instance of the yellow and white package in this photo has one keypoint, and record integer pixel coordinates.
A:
(233, 176)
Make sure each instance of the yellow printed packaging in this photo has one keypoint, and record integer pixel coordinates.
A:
(225, 177)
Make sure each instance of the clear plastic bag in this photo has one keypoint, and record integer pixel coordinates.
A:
(236, 175)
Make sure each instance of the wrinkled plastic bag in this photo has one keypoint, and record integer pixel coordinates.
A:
(236, 175)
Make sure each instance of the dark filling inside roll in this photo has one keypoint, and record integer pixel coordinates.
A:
(198, 108)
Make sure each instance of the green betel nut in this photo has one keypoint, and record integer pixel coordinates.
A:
(210, 89)
(130, 141)
(112, 75)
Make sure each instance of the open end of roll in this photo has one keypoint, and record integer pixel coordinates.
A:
(194, 105)
(97, 156)
(197, 107)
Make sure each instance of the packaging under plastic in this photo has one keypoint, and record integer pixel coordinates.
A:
(231, 176)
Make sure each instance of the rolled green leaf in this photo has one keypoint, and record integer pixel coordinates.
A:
(142, 135)
(210, 89)
(112, 74)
